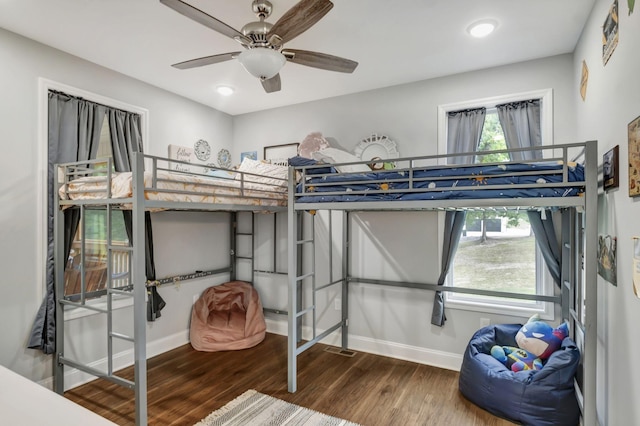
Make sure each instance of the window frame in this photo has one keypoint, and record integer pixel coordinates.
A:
(545, 309)
(44, 86)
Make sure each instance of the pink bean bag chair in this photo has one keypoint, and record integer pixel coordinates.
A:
(227, 317)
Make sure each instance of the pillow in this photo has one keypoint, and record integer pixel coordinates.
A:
(303, 161)
(220, 173)
(313, 142)
(265, 170)
(334, 155)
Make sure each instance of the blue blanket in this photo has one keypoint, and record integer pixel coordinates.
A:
(471, 182)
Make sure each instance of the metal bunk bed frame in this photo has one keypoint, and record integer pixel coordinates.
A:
(137, 287)
(579, 265)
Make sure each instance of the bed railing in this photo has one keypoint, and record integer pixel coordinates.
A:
(437, 174)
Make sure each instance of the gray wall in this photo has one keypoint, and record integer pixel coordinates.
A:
(612, 101)
(404, 246)
(173, 120)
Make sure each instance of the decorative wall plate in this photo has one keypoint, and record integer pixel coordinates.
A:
(202, 150)
(224, 158)
(376, 147)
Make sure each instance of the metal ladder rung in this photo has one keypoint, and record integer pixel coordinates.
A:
(310, 240)
(305, 311)
(122, 336)
(260, 271)
(302, 277)
(244, 257)
(121, 248)
(120, 292)
(84, 306)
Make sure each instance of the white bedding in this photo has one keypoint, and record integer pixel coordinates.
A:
(178, 187)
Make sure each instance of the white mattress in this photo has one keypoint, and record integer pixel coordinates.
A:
(180, 187)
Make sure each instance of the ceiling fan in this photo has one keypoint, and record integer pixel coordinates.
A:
(264, 55)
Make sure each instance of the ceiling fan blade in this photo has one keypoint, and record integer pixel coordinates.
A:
(207, 60)
(206, 20)
(272, 85)
(320, 60)
(299, 19)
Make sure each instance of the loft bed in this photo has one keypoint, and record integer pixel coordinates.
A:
(153, 184)
(433, 183)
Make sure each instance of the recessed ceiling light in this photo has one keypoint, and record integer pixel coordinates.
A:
(482, 28)
(225, 90)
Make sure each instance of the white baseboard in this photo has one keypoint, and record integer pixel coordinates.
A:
(74, 377)
(440, 359)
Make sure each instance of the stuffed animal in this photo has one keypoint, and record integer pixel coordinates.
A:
(516, 359)
(541, 339)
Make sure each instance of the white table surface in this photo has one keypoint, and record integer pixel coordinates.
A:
(26, 403)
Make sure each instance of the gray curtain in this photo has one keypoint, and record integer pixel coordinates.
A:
(74, 134)
(520, 122)
(546, 239)
(453, 224)
(464, 129)
(126, 138)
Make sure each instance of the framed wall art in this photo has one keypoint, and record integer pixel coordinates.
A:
(252, 155)
(610, 174)
(279, 154)
(634, 157)
(610, 33)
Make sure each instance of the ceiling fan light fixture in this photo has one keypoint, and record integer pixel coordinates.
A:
(262, 62)
(482, 28)
(225, 90)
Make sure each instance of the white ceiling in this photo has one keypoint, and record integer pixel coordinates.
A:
(394, 41)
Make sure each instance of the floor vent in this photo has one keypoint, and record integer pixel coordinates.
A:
(340, 351)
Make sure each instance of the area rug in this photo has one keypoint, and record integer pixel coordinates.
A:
(256, 409)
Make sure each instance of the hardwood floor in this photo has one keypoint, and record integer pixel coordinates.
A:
(184, 386)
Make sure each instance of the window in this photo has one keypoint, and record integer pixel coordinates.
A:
(96, 243)
(497, 250)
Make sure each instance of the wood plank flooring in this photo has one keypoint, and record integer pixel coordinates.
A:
(185, 385)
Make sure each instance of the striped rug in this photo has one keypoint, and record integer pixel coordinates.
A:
(256, 409)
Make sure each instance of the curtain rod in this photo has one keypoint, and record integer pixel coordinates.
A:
(80, 98)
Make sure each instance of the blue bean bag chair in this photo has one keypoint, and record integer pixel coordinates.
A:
(542, 397)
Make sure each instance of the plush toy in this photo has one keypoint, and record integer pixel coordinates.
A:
(516, 359)
(541, 339)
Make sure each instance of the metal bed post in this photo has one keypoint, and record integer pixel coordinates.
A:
(139, 291)
(590, 262)
(292, 331)
(345, 279)
(59, 262)
(233, 229)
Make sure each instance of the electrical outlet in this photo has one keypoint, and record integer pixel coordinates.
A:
(484, 322)
(337, 304)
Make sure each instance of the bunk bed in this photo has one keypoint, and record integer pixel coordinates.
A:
(431, 183)
(154, 184)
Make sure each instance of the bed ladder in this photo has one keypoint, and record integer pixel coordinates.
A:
(107, 310)
(251, 257)
(300, 282)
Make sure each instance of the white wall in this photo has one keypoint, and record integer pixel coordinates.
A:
(172, 120)
(404, 246)
(612, 101)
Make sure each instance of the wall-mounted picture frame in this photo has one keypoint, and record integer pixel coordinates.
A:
(610, 166)
(634, 157)
(252, 155)
(610, 33)
(607, 264)
(279, 154)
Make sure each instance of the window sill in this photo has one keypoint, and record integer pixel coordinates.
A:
(73, 312)
(545, 310)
